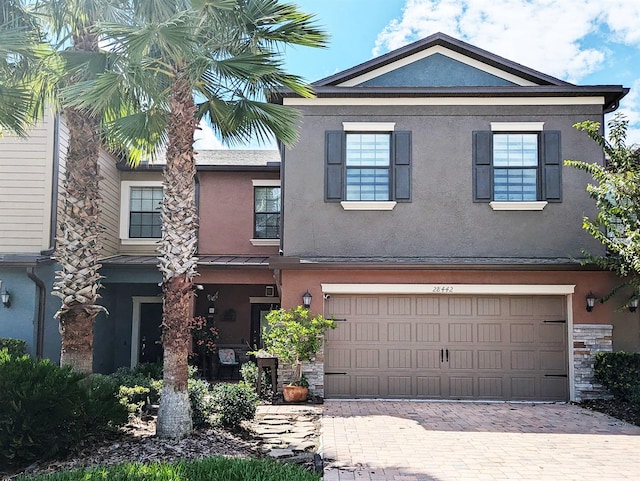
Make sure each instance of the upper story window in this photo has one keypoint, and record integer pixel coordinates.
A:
(517, 166)
(368, 166)
(140, 211)
(266, 212)
(144, 212)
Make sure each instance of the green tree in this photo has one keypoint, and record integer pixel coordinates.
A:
(180, 62)
(21, 47)
(616, 192)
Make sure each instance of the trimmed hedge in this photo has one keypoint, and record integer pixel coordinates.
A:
(619, 373)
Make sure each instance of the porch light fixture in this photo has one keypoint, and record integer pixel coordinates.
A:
(306, 299)
(633, 303)
(591, 301)
(5, 296)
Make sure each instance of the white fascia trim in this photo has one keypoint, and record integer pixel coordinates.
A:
(374, 205)
(433, 101)
(538, 205)
(517, 126)
(125, 204)
(368, 126)
(265, 242)
(431, 51)
(451, 289)
(265, 182)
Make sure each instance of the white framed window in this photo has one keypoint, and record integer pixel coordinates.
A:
(266, 212)
(140, 212)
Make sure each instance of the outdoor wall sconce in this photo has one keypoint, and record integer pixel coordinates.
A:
(591, 301)
(633, 303)
(306, 299)
(5, 296)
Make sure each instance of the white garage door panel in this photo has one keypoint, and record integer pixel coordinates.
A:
(450, 347)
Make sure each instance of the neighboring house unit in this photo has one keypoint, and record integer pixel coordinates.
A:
(238, 196)
(427, 208)
(31, 174)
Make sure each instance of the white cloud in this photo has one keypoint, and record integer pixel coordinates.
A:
(205, 138)
(541, 34)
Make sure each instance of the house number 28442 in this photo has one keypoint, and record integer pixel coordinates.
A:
(442, 289)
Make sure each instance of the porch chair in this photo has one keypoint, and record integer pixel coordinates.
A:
(227, 360)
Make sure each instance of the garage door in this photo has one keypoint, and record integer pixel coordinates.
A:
(449, 347)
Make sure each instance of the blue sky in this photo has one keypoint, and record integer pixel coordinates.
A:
(587, 42)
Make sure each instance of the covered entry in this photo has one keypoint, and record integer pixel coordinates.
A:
(509, 347)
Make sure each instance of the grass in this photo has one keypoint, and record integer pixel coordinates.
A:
(210, 469)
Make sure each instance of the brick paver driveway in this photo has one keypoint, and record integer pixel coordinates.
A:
(444, 441)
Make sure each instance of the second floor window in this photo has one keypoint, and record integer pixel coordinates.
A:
(144, 212)
(515, 167)
(266, 212)
(368, 166)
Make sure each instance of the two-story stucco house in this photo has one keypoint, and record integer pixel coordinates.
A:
(427, 209)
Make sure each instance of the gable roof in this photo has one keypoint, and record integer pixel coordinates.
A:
(493, 76)
(448, 43)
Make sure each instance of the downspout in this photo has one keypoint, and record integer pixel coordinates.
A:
(53, 229)
(41, 295)
(54, 188)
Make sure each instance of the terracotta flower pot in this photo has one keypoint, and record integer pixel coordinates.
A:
(295, 394)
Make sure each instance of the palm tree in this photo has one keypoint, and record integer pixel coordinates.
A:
(20, 45)
(182, 61)
(77, 58)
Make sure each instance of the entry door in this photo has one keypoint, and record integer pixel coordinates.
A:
(259, 322)
(150, 348)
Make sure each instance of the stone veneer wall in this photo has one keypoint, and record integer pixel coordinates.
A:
(589, 339)
(313, 371)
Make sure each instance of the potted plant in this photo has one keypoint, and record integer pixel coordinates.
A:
(294, 337)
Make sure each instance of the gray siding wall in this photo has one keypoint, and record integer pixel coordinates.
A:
(110, 215)
(442, 220)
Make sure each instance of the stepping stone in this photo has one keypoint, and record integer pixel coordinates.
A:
(280, 453)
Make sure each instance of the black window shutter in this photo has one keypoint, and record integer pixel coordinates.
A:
(401, 166)
(482, 168)
(551, 166)
(333, 165)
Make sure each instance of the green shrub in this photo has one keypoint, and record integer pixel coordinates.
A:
(201, 402)
(16, 347)
(234, 403)
(249, 373)
(103, 408)
(47, 410)
(619, 373)
(139, 386)
(209, 469)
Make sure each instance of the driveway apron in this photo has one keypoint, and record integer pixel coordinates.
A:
(447, 441)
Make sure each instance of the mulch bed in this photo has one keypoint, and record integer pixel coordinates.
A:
(624, 411)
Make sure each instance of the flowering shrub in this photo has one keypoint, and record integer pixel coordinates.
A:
(204, 335)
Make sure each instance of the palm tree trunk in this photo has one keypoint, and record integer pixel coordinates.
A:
(178, 261)
(78, 244)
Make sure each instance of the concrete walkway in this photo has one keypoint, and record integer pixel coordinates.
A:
(444, 441)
